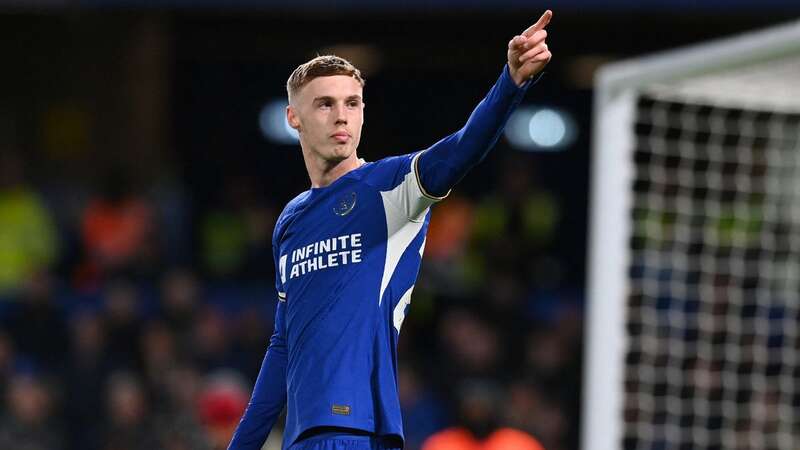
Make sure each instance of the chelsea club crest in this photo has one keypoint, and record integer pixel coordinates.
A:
(345, 204)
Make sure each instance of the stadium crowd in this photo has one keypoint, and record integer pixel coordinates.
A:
(134, 318)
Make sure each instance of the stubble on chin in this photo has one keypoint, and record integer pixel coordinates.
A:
(341, 153)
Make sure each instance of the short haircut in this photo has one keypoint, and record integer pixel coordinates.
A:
(321, 66)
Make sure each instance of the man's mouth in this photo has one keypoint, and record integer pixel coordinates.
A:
(341, 136)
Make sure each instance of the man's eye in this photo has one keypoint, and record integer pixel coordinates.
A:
(353, 104)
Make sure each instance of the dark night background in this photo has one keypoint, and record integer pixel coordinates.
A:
(142, 118)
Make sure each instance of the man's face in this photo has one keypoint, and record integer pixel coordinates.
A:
(328, 113)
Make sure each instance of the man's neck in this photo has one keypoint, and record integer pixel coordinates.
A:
(322, 173)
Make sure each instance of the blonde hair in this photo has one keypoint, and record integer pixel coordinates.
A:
(321, 66)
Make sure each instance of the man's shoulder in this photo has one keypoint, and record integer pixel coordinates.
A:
(291, 208)
(297, 201)
(388, 172)
(394, 161)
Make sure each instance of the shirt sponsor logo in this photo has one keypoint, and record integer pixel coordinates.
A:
(331, 252)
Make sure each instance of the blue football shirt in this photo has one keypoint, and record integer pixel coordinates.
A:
(347, 257)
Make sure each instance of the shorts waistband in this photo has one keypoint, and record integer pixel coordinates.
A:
(330, 432)
(346, 434)
(339, 435)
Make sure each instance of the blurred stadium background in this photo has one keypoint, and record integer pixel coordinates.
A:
(141, 171)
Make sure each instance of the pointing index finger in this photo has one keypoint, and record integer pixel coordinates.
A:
(540, 24)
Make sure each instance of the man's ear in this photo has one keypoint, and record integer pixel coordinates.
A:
(291, 117)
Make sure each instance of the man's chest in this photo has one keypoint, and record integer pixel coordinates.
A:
(333, 232)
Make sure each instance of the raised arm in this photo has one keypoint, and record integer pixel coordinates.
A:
(443, 165)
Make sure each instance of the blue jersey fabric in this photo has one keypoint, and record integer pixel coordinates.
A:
(341, 442)
(347, 256)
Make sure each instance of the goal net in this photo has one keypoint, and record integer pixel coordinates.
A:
(693, 337)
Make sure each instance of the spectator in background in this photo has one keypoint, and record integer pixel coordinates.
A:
(512, 227)
(478, 424)
(446, 245)
(158, 352)
(7, 355)
(118, 231)
(470, 346)
(552, 364)
(128, 426)
(549, 360)
(28, 422)
(222, 402)
(170, 201)
(36, 322)
(181, 295)
(177, 414)
(236, 235)
(211, 343)
(122, 316)
(28, 237)
(252, 332)
(86, 370)
(531, 409)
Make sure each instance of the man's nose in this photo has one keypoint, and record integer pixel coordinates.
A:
(341, 114)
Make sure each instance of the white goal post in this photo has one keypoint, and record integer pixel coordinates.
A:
(695, 198)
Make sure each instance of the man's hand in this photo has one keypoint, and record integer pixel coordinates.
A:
(528, 53)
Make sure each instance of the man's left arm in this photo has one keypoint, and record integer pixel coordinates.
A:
(445, 163)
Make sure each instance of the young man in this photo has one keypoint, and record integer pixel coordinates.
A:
(347, 253)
